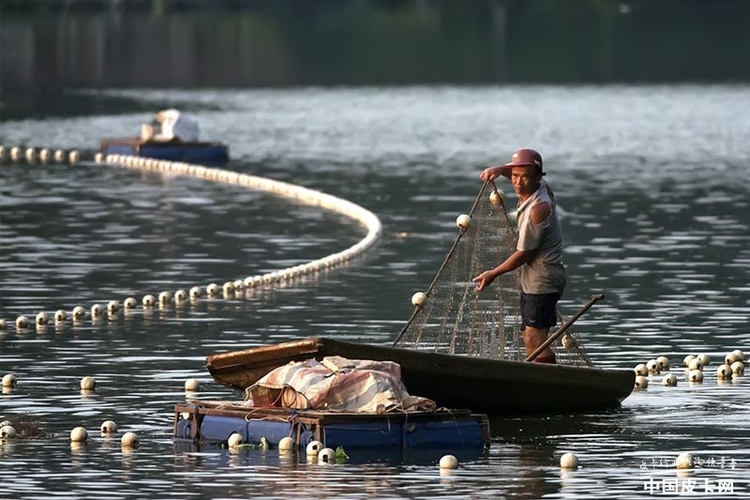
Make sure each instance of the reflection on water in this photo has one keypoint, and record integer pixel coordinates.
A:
(367, 42)
(653, 186)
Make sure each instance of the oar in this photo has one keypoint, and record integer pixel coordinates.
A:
(594, 299)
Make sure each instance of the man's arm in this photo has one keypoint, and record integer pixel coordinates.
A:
(514, 261)
(539, 213)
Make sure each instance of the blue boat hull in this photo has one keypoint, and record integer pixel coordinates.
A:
(407, 434)
(202, 153)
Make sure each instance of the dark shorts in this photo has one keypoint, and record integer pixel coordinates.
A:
(539, 310)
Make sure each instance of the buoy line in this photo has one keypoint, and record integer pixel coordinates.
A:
(230, 288)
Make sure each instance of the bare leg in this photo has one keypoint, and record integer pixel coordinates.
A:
(533, 338)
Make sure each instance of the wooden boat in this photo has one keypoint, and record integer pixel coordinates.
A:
(496, 387)
(202, 153)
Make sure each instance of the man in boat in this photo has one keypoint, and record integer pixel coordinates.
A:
(538, 252)
(170, 125)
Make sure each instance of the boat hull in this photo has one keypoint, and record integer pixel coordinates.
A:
(403, 433)
(202, 153)
(496, 387)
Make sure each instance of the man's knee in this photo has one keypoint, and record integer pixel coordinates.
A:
(534, 337)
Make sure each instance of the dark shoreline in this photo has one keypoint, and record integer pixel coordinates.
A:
(289, 43)
(157, 6)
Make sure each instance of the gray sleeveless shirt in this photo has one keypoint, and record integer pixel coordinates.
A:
(546, 272)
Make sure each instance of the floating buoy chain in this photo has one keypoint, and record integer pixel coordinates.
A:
(32, 155)
(302, 194)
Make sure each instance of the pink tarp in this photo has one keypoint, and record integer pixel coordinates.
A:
(338, 383)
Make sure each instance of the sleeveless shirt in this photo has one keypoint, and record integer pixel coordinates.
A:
(545, 273)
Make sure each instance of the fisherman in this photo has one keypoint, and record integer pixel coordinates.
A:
(171, 125)
(538, 252)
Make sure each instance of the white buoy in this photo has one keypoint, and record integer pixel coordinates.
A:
(42, 318)
(723, 372)
(641, 369)
(704, 359)
(670, 380)
(686, 361)
(641, 382)
(78, 435)
(738, 368)
(663, 362)
(326, 456)
(740, 355)
(44, 155)
(228, 287)
(15, 153)
(313, 448)
(165, 297)
(88, 383)
(653, 367)
(235, 440)
(569, 461)
(497, 198)
(730, 358)
(96, 310)
(3, 324)
(73, 157)
(2, 153)
(695, 376)
(7, 432)
(695, 364)
(79, 312)
(130, 440)
(238, 284)
(99, 158)
(30, 155)
(180, 295)
(463, 222)
(148, 301)
(448, 462)
(22, 322)
(192, 384)
(59, 156)
(108, 427)
(60, 316)
(286, 444)
(113, 306)
(196, 292)
(419, 299)
(569, 342)
(9, 380)
(684, 461)
(212, 289)
(130, 303)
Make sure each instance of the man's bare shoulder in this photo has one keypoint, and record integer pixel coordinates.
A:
(540, 211)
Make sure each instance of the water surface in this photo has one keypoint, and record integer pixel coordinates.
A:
(653, 187)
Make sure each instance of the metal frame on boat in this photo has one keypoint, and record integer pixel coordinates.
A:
(497, 387)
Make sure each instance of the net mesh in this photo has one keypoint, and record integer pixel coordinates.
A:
(455, 319)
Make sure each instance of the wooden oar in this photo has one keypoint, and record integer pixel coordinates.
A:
(594, 299)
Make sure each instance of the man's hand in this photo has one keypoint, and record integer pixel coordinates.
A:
(490, 174)
(485, 279)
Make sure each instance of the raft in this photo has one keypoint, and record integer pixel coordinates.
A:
(202, 153)
(211, 423)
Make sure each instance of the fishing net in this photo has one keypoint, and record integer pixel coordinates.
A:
(451, 317)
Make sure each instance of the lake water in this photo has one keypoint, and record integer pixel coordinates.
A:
(654, 188)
